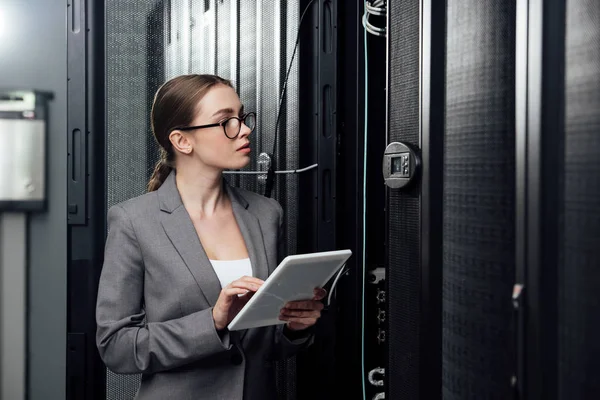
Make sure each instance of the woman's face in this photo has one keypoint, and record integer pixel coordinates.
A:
(210, 145)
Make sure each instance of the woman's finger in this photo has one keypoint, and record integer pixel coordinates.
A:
(304, 321)
(305, 305)
(242, 284)
(300, 314)
(250, 279)
(234, 291)
(320, 294)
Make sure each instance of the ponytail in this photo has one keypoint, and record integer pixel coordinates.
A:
(160, 174)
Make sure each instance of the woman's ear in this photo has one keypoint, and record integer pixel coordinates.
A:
(180, 142)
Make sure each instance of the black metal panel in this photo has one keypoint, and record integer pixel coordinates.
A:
(319, 51)
(85, 370)
(374, 325)
(540, 127)
(76, 366)
(76, 112)
(579, 233)
(521, 186)
(479, 174)
(433, 88)
(347, 371)
(326, 126)
(403, 278)
(373, 318)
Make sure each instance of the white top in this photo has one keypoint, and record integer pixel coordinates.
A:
(229, 271)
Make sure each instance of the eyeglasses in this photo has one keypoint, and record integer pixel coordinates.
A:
(232, 126)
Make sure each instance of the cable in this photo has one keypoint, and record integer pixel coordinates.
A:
(297, 171)
(271, 171)
(379, 11)
(373, 29)
(335, 281)
(364, 222)
(291, 171)
(377, 8)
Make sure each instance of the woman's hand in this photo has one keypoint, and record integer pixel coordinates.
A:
(232, 298)
(303, 314)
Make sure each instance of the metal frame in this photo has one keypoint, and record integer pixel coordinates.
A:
(539, 135)
(350, 118)
(321, 68)
(432, 109)
(521, 48)
(76, 112)
(325, 122)
(318, 64)
(374, 326)
(86, 96)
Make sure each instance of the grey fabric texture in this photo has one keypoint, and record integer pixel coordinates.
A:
(157, 290)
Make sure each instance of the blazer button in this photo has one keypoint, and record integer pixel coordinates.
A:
(236, 359)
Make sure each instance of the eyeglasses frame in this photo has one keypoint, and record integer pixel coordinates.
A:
(221, 123)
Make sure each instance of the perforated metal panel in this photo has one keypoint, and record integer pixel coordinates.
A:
(121, 387)
(404, 260)
(579, 266)
(248, 81)
(127, 97)
(479, 206)
(226, 39)
(130, 149)
(290, 127)
(249, 42)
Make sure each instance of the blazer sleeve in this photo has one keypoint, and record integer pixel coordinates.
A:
(287, 343)
(125, 341)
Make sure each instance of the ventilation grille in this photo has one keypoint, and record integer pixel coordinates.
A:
(479, 207)
(579, 263)
(404, 263)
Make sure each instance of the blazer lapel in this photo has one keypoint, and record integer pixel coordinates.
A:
(251, 232)
(181, 232)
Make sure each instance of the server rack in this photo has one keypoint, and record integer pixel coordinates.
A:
(558, 198)
(416, 53)
(451, 238)
(119, 53)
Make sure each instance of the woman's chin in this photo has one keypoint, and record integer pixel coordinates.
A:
(240, 164)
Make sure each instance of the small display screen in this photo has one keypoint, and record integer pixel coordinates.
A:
(396, 165)
(400, 165)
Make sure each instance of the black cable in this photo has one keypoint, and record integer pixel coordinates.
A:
(271, 171)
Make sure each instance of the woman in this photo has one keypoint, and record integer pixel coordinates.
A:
(183, 259)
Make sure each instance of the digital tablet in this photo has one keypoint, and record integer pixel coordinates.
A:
(295, 278)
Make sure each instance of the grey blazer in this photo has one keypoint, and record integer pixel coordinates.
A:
(155, 299)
